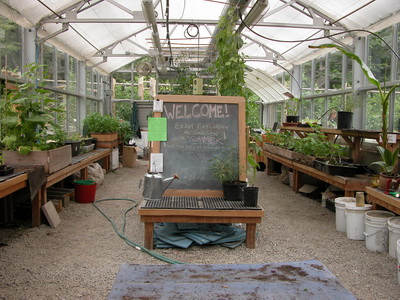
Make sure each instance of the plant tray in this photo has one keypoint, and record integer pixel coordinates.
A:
(6, 171)
(75, 147)
(341, 170)
(52, 160)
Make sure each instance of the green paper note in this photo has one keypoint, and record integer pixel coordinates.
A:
(157, 129)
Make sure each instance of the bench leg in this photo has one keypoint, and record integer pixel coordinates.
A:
(148, 235)
(251, 235)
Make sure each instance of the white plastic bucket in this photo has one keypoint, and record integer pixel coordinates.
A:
(355, 225)
(398, 262)
(394, 234)
(376, 229)
(340, 204)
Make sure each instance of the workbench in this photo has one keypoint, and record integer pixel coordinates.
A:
(378, 198)
(350, 185)
(352, 137)
(198, 210)
(79, 164)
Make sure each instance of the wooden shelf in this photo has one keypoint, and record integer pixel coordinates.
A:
(378, 199)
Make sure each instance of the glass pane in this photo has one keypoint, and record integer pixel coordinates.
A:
(62, 103)
(373, 121)
(72, 74)
(306, 78)
(335, 71)
(379, 54)
(48, 61)
(123, 86)
(319, 82)
(349, 72)
(89, 87)
(72, 116)
(61, 70)
(319, 109)
(10, 46)
(306, 109)
(330, 118)
(95, 83)
(278, 113)
(398, 47)
(396, 115)
(287, 80)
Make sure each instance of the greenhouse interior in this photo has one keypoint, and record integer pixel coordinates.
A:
(203, 149)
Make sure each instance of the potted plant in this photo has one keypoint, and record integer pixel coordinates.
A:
(29, 132)
(225, 168)
(104, 128)
(388, 165)
(292, 110)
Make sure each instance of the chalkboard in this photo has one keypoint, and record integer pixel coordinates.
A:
(197, 131)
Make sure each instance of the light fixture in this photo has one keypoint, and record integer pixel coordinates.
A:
(148, 12)
(254, 15)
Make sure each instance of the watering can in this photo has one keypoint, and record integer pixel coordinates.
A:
(155, 185)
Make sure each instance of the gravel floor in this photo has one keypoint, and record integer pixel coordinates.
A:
(80, 258)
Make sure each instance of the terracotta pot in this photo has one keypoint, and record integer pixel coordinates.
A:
(383, 181)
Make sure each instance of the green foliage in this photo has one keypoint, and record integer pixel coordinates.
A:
(389, 160)
(74, 137)
(28, 116)
(123, 110)
(225, 165)
(292, 106)
(101, 123)
(229, 66)
(252, 109)
(183, 84)
(125, 131)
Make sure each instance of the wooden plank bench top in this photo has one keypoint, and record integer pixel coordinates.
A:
(151, 213)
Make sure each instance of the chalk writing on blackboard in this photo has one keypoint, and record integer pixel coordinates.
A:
(196, 133)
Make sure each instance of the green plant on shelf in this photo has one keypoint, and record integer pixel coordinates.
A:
(28, 116)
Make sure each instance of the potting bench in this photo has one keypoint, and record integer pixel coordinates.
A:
(79, 164)
(350, 185)
(198, 210)
(378, 199)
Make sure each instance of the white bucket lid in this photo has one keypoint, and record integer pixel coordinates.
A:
(380, 214)
(394, 222)
(352, 206)
(341, 201)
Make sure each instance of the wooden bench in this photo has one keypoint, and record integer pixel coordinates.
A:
(150, 214)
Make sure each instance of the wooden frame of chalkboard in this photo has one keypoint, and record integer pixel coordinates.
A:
(198, 128)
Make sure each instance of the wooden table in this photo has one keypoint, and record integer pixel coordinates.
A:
(378, 198)
(7, 187)
(352, 137)
(79, 164)
(149, 216)
(350, 185)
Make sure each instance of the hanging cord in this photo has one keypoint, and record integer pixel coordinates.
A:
(121, 231)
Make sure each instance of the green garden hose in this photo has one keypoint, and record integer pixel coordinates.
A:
(121, 231)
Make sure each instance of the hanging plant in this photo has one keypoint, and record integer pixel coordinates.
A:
(229, 67)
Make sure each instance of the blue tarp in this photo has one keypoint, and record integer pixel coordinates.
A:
(183, 235)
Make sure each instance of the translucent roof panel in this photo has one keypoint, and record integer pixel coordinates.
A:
(109, 34)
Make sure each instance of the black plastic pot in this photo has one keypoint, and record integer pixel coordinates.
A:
(250, 196)
(233, 191)
(344, 120)
(292, 119)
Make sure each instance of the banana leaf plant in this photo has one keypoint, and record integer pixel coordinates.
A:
(389, 157)
(383, 93)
